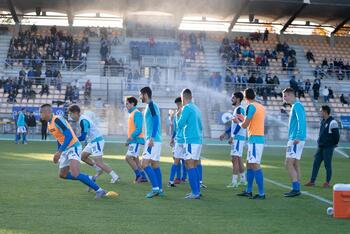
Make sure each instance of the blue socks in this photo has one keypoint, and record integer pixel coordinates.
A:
(84, 179)
(296, 185)
(178, 171)
(259, 178)
(192, 176)
(184, 170)
(158, 174)
(137, 173)
(200, 172)
(152, 177)
(173, 170)
(24, 138)
(18, 136)
(250, 179)
(142, 173)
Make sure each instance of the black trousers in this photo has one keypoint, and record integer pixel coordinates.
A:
(323, 154)
(43, 133)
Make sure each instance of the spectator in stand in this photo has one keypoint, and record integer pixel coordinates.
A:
(325, 63)
(343, 100)
(69, 93)
(44, 89)
(310, 56)
(151, 41)
(266, 35)
(87, 91)
(316, 89)
(294, 85)
(59, 82)
(331, 93)
(11, 98)
(307, 86)
(325, 94)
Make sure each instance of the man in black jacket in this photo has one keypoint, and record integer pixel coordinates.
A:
(328, 139)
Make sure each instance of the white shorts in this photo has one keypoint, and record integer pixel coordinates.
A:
(21, 129)
(237, 148)
(179, 151)
(193, 151)
(133, 150)
(95, 148)
(72, 153)
(255, 152)
(295, 151)
(152, 153)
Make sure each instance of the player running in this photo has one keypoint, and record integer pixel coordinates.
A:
(135, 139)
(237, 141)
(90, 132)
(190, 122)
(153, 146)
(69, 149)
(254, 122)
(296, 140)
(21, 127)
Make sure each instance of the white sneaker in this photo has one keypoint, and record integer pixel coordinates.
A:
(243, 183)
(115, 179)
(232, 185)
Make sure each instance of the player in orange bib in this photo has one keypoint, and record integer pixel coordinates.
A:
(254, 122)
(69, 149)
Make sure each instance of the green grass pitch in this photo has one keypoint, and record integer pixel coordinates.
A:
(34, 200)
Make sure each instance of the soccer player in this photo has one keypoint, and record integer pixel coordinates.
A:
(69, 149)
(135, 139)
(296, 139)
(21, 127)
(190, 122)
(237, 141)
(153, 146)
(254, 123)
(90, 133)
(177, 143)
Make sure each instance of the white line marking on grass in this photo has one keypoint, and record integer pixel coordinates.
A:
(303, 192)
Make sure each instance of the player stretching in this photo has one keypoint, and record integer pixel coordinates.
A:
(190, 122)
(153, 146)
(21, 127)
(135, 139)
(95, 145)
(69, 149)
(177, 142)
(254, 123)
(296, 140)
(237, 141)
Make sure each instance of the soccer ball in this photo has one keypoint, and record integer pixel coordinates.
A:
(112, 194)
(330, 210)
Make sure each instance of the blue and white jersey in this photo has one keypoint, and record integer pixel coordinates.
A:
(178, 134)
(21, 120)
(190, 122)
(89, 130)
(297, 122)
(237, 132)
(152, 122)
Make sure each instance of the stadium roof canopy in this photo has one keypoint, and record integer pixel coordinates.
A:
(323, 12)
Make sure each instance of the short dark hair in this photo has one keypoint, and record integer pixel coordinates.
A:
(187, 93)
(147, 90)
(46, 105)
(178, 99)
(326, 108)
(131, 99)
(289, 90)
(238, 95)
(74, 109)
(249, 94)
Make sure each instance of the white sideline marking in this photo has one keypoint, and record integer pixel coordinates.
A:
(303, 192)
